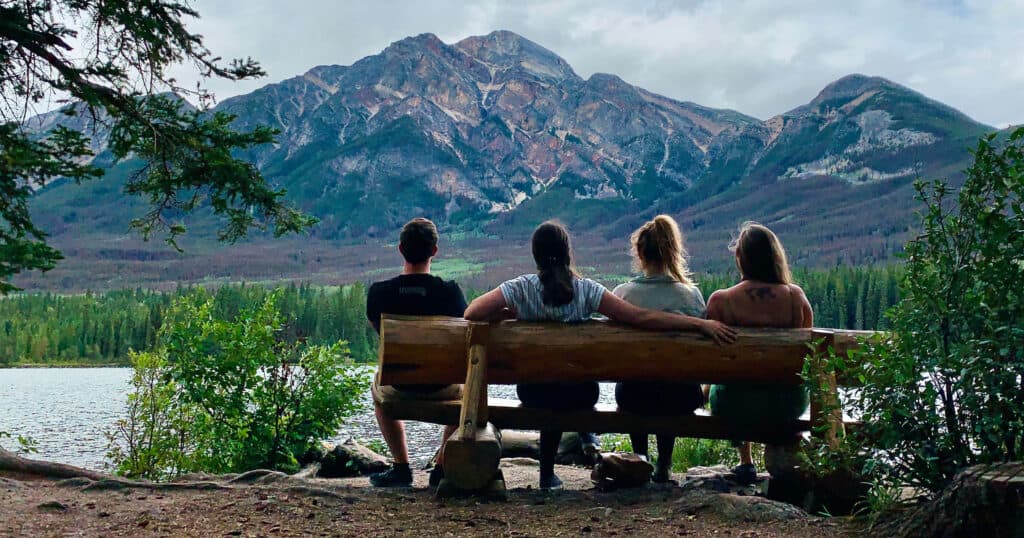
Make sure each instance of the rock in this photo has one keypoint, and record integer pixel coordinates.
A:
(54, 506)
(747, 508)
(615, 471)
(349, 459)
(984, 500)
(720, 479)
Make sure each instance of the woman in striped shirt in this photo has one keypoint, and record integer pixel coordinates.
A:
(557, 293)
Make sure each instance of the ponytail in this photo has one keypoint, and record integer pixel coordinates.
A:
(552, 252)
(658, 248)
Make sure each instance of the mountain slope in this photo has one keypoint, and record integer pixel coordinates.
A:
(495, 133)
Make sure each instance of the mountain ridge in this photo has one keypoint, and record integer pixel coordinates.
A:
(492, 133)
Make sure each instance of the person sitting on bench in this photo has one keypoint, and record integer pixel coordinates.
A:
(765, 297)
(665, 285)
(557, 293)
(416, 293)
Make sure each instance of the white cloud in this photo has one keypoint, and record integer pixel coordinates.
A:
(761, 57)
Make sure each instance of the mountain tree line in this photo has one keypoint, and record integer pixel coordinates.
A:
(100, 328)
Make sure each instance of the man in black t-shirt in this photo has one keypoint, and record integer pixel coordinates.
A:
(413, 293)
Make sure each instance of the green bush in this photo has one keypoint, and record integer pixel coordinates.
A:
(944, 390)
(229, 394)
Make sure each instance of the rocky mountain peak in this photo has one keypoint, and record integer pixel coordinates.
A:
(850, 87)
(503, 49)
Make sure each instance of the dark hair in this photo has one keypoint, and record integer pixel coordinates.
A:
(553, 253)
(760, 255)
(417, 241)
(658, 247)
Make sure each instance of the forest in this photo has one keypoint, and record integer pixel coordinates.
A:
(101, 328)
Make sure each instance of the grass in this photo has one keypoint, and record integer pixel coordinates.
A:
(689, 452)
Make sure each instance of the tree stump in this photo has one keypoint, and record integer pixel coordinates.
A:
(984, 500)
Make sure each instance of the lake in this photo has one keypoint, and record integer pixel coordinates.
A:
(67, 411)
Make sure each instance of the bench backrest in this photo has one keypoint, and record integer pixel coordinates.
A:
(434, 350)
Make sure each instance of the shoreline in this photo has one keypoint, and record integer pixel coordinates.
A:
(72, 365)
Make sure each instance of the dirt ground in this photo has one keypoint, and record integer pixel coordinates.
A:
(350, 507)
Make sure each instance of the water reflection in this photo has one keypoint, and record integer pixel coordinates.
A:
(67, 410)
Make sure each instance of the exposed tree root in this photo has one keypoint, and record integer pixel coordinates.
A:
(14, 463)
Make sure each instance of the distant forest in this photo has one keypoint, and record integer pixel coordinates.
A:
(100, 329)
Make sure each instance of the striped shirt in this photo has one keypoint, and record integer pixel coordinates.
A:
(524, 295)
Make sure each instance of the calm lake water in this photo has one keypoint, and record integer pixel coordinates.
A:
(67, 411)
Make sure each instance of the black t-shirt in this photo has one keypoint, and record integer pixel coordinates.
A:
(414, 295)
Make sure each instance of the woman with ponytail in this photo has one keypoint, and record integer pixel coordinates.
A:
(664, 284)
(557, 293)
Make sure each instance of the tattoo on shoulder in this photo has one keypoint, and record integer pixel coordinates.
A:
(760, 294)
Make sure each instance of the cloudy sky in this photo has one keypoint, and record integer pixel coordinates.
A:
(761, 57)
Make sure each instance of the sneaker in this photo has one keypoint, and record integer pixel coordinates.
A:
(436, 475)
(398, 476)
(550, 482)
(745, 474)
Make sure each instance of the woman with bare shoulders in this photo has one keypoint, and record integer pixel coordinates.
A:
(557, 293)
(765, 297)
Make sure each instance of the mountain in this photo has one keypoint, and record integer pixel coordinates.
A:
(494, 133)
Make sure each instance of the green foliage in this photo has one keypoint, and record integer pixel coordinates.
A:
(102, 329)
(111, 58)
(25, 444)
(231, 393)
(944, 390)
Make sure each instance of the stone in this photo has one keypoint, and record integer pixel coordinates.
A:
(747, 508)
(348, 459)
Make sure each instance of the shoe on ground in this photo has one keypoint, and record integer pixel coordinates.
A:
(550, 482)
(398, 476)
(745, 474)
(436, 475)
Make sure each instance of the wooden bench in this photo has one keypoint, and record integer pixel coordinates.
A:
(428, 350)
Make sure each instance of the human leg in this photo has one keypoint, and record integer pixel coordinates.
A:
(663, 469)
(549, 440)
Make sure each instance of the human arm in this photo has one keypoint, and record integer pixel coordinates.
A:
(490, 306)
(800, 302)
(619, 310)
(716, 306)
(373, 308)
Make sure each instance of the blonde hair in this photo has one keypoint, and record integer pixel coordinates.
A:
(658, 248)
(760, 255)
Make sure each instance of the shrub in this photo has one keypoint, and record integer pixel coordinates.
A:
(228, 395)
(944, 390)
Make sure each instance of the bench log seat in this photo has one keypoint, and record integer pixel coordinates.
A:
(439, 350)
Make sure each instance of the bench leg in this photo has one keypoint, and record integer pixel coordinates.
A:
(471, 463)
(472, 453)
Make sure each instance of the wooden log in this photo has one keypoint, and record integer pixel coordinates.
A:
(826, 409)
(471, 463)
(520, 444)
(417, 350)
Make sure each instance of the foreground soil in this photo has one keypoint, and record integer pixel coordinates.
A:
(350, 507)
